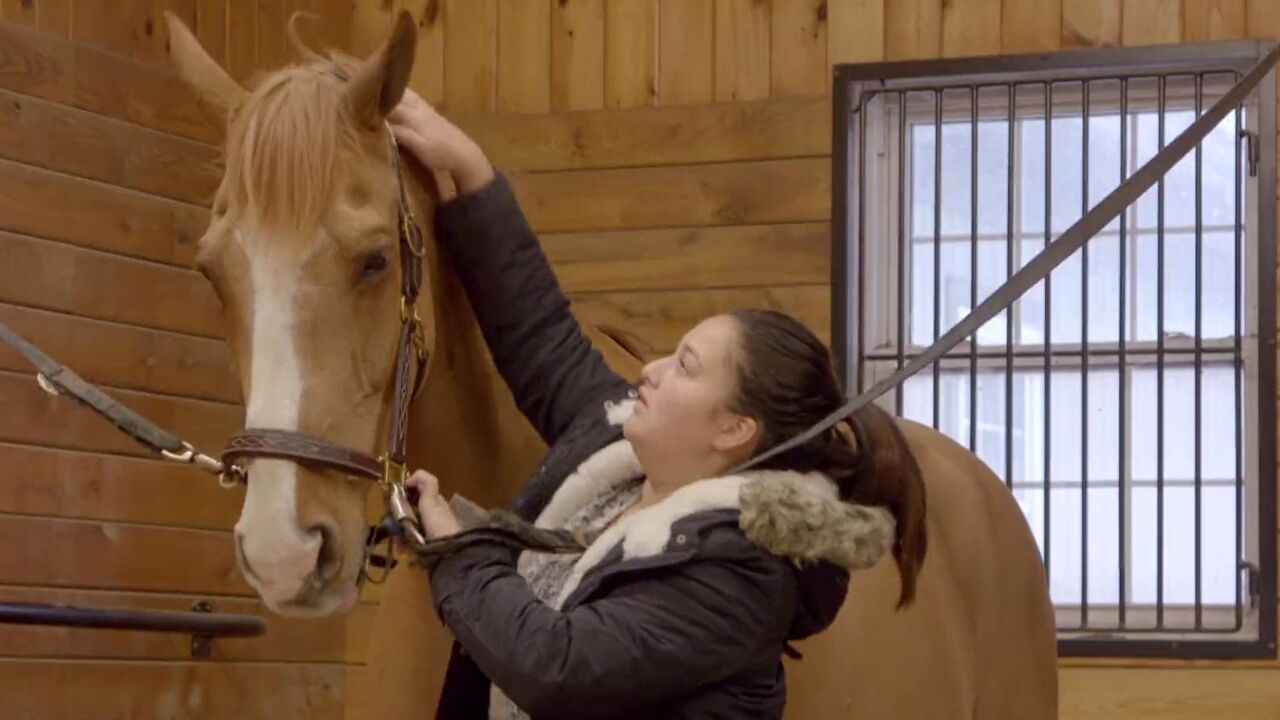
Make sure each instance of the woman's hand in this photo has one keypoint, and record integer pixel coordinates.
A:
(439, 144)
(437, 517)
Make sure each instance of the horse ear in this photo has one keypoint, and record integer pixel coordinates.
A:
(218, 94)
(379, 82)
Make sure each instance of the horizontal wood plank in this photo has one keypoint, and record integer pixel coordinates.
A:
(110, 556)
(88, 486)
(770, 191)
(660, 319)
(1201, 694)
(57, 137)
(708, 257)
(124, 356)
(50, 67)
(65, 278)
(191, 691)
(33, 417)
(286, 639)
(722, 132)
(91, 214)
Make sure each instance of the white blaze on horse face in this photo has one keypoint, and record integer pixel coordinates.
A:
(280, 555)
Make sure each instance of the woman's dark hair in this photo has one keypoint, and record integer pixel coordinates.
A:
(787, 383)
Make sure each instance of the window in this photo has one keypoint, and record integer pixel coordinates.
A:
(1123, 400)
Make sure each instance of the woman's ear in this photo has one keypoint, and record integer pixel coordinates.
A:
(737, 434)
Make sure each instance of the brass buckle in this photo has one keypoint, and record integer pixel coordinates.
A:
(393, 474)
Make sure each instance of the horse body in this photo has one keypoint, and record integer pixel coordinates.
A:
(978, 642)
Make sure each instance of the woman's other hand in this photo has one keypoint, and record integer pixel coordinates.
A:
(439, 144)
(437, 517)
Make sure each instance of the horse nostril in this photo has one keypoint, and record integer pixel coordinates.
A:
(329, 560)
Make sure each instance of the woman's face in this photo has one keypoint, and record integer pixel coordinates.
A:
(682, 416)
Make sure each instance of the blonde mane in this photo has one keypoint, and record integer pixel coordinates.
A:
(284, 144)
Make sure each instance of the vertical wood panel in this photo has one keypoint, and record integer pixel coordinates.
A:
(855, 31)
(336, 19)
(21, 12)
(577, 54)
(742, 50)
(270, 37)
(913, 29)
(685, 36)
(370, 23)
(799, 48)
(631, 53)
(1031, 25)
(968, 27)
(211, 28)
(428, 64)
(1262, 18)
(1090, 23)
(104, 23)
(524, 55)
(1151, 22)
(242, 31)
(54, 16)
(1205, 20)
(470, 50)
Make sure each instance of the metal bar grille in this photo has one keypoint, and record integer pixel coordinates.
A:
(1153, 543)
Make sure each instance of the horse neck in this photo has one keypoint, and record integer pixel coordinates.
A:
(464, 426)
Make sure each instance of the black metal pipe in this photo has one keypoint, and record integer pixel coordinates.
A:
(171, 621)
(937, 249)
(1009, 311)
(1160, 111)
(1048, 321)
(1199, 613)
(1084, 365)
(1121, 337)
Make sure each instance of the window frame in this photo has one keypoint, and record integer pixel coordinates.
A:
(1258, 432)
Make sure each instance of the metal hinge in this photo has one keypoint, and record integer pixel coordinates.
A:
(1253, 576)
(1252, 150)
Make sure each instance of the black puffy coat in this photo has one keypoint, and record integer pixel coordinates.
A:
(685, 610)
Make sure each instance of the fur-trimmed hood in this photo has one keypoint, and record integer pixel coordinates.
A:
(794, 515)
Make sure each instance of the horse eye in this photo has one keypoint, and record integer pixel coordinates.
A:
(374, 263)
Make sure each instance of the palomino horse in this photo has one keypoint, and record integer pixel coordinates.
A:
(301, 250)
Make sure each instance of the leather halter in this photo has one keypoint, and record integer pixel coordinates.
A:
(410, 369)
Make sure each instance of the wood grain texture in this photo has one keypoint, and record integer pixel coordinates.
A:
(211, 28)
(19, 12)
(660, 319)
(54, 16)
(524, 56)
(1031, 25)
(124, 356)
(913, 29)
(470, 54)
(32, 417)
(577, 54)
(1090, 23)
(1193, 694)
(722, 132)
(83, 555)
(1151, 22)
(855, 31)
(743, 193)
(685, 59)
(428, 64)
(742, 39)
(710, 257)
(193, 691)
(798, 48)
(57, 137)
(86, 486)
(1208, 20)
(271, 47)
(1262, 18)
(968, 27)
(631, 53)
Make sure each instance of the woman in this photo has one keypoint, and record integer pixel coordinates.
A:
(693, 582)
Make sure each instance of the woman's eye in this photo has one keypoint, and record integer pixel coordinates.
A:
(374, 264)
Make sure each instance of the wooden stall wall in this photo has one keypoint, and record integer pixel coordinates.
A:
(106, 171)
(675, 156)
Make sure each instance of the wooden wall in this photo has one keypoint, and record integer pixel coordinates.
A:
(106, 170)
(675, 156)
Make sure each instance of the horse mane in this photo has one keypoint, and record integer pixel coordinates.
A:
(285, 142)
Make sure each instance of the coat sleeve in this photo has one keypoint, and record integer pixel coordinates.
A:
(551, 367)
(646, 643)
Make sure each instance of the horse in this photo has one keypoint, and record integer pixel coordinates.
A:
(300, 251)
